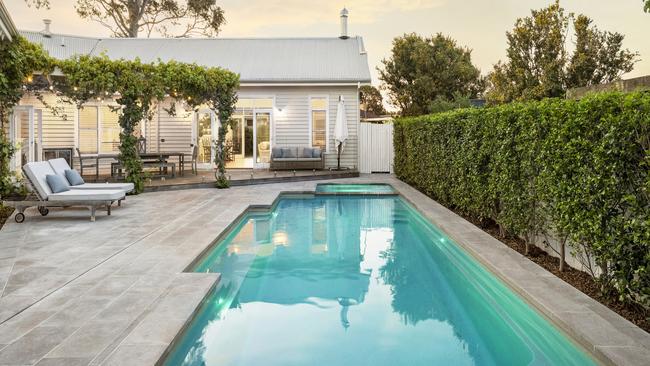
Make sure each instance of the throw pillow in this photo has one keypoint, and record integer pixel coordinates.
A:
(276, 152)
(74, 177)
(57, 183)
(316, 152)
(288, 152)
(306, 152)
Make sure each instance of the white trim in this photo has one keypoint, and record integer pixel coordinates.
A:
(327, 119)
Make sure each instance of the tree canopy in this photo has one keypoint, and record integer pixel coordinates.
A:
(169, 18)
(538, 65)
(421, 70)
(372, 103)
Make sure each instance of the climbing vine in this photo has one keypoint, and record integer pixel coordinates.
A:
(19, 59)
(137, 87)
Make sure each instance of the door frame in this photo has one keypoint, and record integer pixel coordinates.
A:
(213, 137)
(257, 165)
(34, 149)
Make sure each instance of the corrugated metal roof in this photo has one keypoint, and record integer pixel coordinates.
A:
(257, 60)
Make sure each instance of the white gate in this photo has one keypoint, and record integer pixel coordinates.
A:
(375, 147)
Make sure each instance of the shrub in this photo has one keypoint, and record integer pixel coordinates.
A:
(577, 169)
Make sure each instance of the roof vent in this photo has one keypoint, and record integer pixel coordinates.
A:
(46, 32)
(344, 24)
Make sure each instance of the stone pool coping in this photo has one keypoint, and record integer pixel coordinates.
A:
(114, 292)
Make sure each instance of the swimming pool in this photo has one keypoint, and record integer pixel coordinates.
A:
(359, 280)
(354, 188)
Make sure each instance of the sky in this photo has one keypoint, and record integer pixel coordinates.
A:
(477, 24)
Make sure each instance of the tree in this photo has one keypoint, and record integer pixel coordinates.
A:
(170, 18)
(537, 63)
(421, 70)
(646, 6)
(372, 103)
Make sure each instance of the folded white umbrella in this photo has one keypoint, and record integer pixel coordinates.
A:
(340, 129)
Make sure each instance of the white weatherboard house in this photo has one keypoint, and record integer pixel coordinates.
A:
(289, 92)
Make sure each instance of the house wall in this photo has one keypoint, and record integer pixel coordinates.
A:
(290, 123)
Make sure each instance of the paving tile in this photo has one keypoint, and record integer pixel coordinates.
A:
(89, 340)
(22, 324)
(135, 355)
(64, 362)
(31, 347)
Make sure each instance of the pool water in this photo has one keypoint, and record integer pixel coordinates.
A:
(359, 280)
(353, 188)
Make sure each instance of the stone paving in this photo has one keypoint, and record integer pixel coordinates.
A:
(114, 292)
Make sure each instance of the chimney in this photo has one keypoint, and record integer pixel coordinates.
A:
(46, 32)
(344, 24)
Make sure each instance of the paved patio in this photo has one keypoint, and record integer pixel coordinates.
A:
(113, 292)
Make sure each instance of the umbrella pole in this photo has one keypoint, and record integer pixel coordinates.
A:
(338, 159)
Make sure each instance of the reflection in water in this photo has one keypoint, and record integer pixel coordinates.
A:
(358, 281)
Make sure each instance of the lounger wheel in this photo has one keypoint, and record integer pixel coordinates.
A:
(43, 210)
(20, 217)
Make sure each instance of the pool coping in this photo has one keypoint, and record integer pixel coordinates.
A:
(608, 337)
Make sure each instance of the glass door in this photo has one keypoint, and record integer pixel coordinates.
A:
(26, 136)
(262, 139)
(203, 139)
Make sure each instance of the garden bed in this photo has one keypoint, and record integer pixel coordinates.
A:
(576, 278)
(5, 213)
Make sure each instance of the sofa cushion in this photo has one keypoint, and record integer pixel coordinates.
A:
(276, 152)
(289, 152)
(316, 153)
(126, 187)
(73, 177)
(56, 183)
(306, 152)
(297, 159)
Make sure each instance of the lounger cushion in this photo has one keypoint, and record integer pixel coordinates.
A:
(73, 177)
(36, 172)
(316, 152)
(56, 183)
(126, 187)
(88, 195)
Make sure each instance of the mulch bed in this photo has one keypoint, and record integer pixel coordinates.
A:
(578, 279)
(5, 212)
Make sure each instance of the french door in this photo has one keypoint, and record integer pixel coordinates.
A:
(203, 136)
(25, 131)
(250, 139)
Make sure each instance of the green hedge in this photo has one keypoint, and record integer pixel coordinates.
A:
(576, 170)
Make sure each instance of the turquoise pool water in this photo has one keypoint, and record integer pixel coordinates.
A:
(359, 280)
(353, 188)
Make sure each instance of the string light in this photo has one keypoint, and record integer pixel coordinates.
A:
(29, 79)
(75, 88)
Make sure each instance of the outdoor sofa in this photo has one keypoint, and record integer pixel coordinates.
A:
(37, 172)
(296, 158)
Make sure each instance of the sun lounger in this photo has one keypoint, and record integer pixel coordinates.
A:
(60, 165)
(36, 173)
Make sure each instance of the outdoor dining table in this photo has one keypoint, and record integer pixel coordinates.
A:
(161, 157)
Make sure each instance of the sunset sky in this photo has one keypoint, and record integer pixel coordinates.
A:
(477, 24)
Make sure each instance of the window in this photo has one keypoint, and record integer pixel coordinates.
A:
(318, 107)
(88, 130)
(99, 130)
(110, 136)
